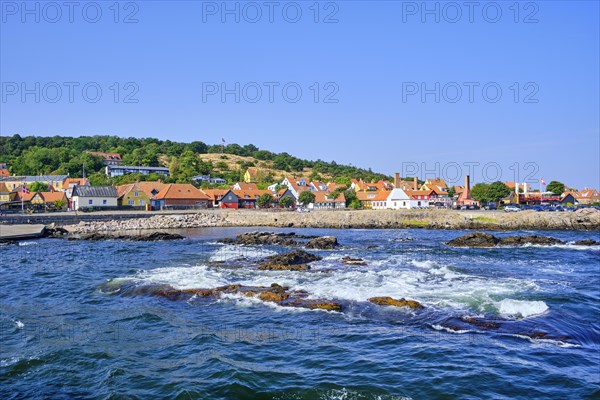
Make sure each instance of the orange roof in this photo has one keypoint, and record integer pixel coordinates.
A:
(251, 194)
(413, 193)
(4, 172)
(3, 188)
(252, 171)
(122, 190)
(323, 197)
(149, 187)
(75, 181)
(25, 196)
(380, 195)
(181, 191)
(215, 194)
(51, 197)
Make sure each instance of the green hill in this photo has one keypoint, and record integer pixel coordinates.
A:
(33, 155)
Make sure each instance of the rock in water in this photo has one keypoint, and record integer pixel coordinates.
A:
(522, 240)
(475, 239)
(388, 301)
(295, 260)
(322, 243)
(587, 242)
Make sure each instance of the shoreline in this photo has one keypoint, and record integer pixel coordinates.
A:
(581, 220)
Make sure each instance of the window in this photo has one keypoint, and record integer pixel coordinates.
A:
(136, 194)
(131, 202)
(104, 202)
(142, 202)
(90, 201)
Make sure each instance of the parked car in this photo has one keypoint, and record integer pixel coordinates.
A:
(511, 208)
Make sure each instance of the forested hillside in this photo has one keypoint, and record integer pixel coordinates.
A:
(33, 155)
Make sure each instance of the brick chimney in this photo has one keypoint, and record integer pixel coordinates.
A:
(415, 183)
(396, 180)
(467, 186)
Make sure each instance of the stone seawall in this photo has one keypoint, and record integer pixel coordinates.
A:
(587, 219)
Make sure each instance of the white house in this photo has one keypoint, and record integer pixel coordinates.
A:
(94, 196)
(406, 199)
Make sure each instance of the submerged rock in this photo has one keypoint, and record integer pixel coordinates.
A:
(272, 294)
(322, 243)
(475, 239)
(480, 239)
(481, 323)
(587, 242)
(388, 301)
(353, 261)
(148, 237)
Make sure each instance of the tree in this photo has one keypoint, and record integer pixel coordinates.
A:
(497, 191)
(286, 202)
(38, 187)
(480, 192)
(59, 204)
(265, 200)
(556, 187)
(355, 204)
(307, 197)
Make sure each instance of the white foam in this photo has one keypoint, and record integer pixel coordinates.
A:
(521, 308)
(28, 243)
(19, 324)
(234, 252)
(184, 277)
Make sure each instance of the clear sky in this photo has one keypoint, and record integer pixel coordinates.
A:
(400, 87)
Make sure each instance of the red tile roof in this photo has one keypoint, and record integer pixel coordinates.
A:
(181, 191)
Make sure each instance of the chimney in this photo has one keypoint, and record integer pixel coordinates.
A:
(467, 186)
(415, 183)
(517, 188)
(525, 187)
(397, 180)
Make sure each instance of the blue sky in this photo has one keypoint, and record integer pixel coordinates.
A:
(370, 60)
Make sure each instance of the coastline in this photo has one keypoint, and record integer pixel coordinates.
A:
(581, 220)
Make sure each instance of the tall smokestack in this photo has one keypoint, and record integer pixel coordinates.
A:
(415, 183)
(396, 180)
(525, 188)
(467, 186)
(517, 188)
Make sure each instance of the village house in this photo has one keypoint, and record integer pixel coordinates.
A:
(587, 196)
(94, 197)
(285, 193)
(318, 186)
(108, 158)
(323, 200)
(45, 200)
(373, 200)
(151, 188)
(296, 186)
(208, 179)
(132, 195)
(120, 170)
(253, 175)
(4, 170)
(53, 181)
(242, 198)
(464, 199)
(180, 196)
(70, 183)
(216, 196)
(6, 195)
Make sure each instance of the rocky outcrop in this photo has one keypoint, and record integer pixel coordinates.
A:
(150, 237)
(322, 243)
(263, 238)
(480, 239)
(273, 294)
(475, 239)
(587, 242)
(523, 240)
(388, 301)
(295, 261)
(53, 231)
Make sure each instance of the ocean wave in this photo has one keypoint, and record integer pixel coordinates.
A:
(521, 308)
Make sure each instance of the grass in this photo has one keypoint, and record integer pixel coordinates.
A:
(485, 219)
(415, 223)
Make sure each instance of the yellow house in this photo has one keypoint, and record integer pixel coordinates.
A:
(251, 175)
(12, 182)
(5, 193)
(132, 195)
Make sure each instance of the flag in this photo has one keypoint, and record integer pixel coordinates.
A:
(542, 181)
(25, 190)
(223, 140)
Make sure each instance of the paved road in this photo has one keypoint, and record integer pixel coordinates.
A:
(20, 232)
